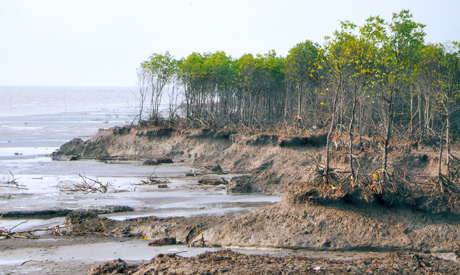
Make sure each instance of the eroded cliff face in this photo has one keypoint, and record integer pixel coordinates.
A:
(139, 143)
(273, 159)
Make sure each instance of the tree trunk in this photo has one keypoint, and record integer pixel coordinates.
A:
(427, 113)
(388, 135)
(411, 123)
(350, 133)
(448, 143)
(299, 100)
(286, 102)
(330, 132)
(420, 118)
(340, 117)
(440, 152)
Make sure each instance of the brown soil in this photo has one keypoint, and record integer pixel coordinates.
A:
(228, 262)
(309, 217)
(182, 229)
(337, 227)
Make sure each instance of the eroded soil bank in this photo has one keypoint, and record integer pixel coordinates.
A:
(285, 164)
(272, 159)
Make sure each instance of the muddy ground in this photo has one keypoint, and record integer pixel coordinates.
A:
(281, 164)
(229, 262)
(217, 262)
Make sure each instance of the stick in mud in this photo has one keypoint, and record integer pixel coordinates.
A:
(13, 179)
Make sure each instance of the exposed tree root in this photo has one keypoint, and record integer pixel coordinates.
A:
(389, 188)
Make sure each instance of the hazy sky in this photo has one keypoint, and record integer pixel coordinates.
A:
(102, 42)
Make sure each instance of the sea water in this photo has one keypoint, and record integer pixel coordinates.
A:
(36, 121)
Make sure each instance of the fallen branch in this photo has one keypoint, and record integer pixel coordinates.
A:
(88, 185)
(35, 261)
(9, 234)
(153, 181)
(10, 181)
